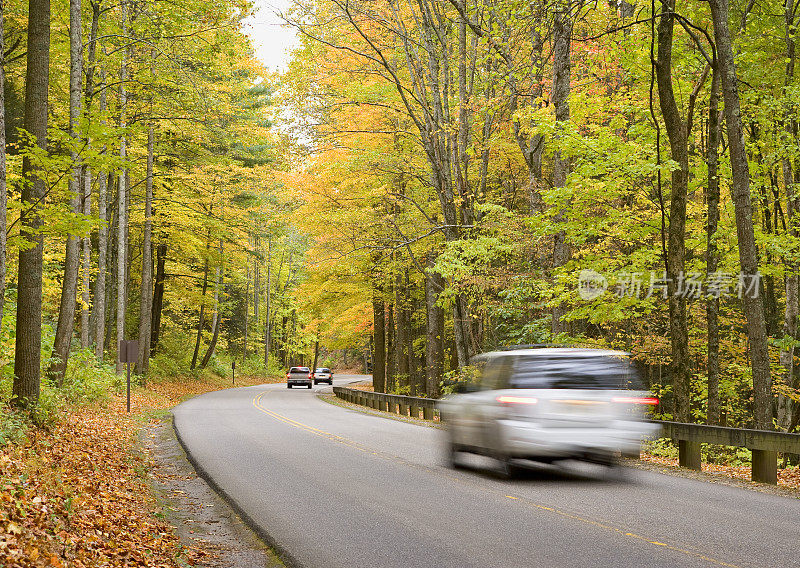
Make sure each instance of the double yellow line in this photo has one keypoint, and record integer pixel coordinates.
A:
(522, 500)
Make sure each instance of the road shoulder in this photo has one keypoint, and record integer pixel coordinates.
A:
(202, 519)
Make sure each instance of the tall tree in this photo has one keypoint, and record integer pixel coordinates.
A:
(434, 330)
(27, 354)
(146, 306)
(267, 315)
(740, 188)
(712, 253)
(562, 40)
(86, 194)
(99, 304)
(679, 189)
(158, 296)
(3, 187)
(66, 313)
(122, 197)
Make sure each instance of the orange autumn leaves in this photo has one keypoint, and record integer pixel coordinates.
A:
(79, 495)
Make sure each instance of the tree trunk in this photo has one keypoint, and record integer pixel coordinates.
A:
(111, 263)
(562, 38)
(158, 297)
(740, 188)
(283, 346)
(461, 331)
(27, 354)
(434, 332)
(676, 244)
(86, 244)
(712, 256)
(379, 343)
(391, 369)
(122, 201)
(3, 187)
(213, 344)
(218, 292)
(201, 321)
(69, 289)
(246, 311)
(403, 331)
(267, 314)
(86, 299)
(146, 307)
(792, 309)
(99, 304)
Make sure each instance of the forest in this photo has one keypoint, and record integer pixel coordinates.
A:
(484, 173)
(428, 180)
(142, 195)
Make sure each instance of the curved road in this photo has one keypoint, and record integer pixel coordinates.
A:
(333, 487)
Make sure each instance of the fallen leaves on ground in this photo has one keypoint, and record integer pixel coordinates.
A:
(787, 477)
(361, 386)
(78, 495)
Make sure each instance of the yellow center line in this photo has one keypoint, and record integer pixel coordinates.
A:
(355, 445)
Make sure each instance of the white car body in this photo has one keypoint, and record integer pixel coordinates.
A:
(323, 375)
(567, 421)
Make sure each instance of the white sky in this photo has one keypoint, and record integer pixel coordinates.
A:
(271, 40)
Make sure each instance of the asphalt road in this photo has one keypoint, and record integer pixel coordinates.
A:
(334, 487)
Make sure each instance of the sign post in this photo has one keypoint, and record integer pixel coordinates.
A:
(128, 353)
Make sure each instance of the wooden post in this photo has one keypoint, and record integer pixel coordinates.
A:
(689, 454)
(765, 466)
(427, 413)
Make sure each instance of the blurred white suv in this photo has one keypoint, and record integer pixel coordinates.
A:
(549, 404)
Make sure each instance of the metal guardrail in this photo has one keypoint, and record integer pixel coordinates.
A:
(397, 404)
(764, 444)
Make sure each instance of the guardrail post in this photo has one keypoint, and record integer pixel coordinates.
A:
(765, 466)
(427, 413)
(414, 411)
(689, 454)
(402, 409)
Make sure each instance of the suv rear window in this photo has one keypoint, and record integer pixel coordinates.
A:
(592, 372)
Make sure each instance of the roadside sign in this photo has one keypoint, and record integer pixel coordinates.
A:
(128, 351)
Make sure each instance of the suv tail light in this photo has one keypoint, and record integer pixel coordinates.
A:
(649, 400)
(507, 399)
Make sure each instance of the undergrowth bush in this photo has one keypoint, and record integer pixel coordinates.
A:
(86, 381)
(462, 375)
(13, 425)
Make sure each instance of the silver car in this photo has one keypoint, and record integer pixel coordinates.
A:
(549, 404)
(323, 375)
